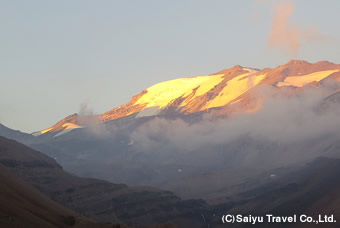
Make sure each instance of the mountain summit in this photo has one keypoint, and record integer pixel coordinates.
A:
(227, 91)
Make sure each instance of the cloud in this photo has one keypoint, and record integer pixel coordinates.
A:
(91, 121)
(287, 36)
(84, 109)
(281, 120)
(282, 33)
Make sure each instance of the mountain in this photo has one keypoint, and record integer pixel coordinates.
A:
(310, 190)
(230, 90)
(265, 119)
(99, 200)
(17, 135)
(23, 206)
(223, 139)
(287, 118)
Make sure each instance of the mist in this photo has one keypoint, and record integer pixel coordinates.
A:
(284, 131)
(281, 119)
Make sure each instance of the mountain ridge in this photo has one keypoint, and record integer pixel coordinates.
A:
(228, 91)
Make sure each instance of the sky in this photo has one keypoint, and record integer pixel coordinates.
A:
(57, 56)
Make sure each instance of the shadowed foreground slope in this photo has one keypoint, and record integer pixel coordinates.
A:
(23, 206)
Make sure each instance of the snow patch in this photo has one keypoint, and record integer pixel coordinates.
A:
(302, 80)
(152, 111)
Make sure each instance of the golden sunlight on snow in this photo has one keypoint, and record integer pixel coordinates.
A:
(302, 80)
(46, 130)
(71, 126)
(163, 93)
(235, 88)
(66, 126)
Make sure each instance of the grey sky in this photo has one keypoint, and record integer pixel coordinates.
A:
(56, 55)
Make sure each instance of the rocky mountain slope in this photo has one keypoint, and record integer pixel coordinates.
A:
(310, 190)
(23, 206)
(99, 200)
(231, 90)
